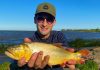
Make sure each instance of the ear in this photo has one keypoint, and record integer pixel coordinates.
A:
(54, 22)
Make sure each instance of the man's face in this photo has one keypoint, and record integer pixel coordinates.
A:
(44, 24)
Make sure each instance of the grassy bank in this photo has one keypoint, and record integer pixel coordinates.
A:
(5, 66)
(80, 43)
(89, 65)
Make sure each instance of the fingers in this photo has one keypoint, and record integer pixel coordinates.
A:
(71, 62)
(71, 67)
(32, 60)
(35, 61)
(63, 65)
(27, 40)
(21, 62)
(45, 61)
(38, 60)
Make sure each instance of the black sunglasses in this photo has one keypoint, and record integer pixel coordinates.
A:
(48, 17)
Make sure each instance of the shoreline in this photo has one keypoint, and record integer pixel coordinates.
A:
(4, 58)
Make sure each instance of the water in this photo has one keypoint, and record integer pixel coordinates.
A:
(82, 35)
(4, 58)
(17, 37)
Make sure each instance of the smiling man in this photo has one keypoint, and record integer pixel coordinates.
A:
(44, 20)
(44, 23)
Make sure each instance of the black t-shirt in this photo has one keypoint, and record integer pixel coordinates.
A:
(55, 37)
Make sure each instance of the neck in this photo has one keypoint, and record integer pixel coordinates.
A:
(44, 36)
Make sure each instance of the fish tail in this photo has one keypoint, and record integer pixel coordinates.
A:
(84, 52)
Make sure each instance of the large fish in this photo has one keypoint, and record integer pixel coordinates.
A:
(57, 55)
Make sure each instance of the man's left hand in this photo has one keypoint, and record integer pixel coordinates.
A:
(70, 64)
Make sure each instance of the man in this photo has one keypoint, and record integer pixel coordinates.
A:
(45, 20)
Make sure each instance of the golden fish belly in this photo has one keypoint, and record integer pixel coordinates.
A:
(57, 55)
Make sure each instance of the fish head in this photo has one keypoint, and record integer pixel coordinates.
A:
(18, 51)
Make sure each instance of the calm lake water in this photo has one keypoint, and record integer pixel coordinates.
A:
(17, 37)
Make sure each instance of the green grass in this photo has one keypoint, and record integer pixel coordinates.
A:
(80, 43)
(5, 66)
(89, 65)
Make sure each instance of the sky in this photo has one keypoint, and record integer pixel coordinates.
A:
(70, 14)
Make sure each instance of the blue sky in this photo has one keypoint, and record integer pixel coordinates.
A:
(71, 14)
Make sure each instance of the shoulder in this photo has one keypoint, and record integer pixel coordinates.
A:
(57, 33)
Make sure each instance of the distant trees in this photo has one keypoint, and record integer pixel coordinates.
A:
(83, 30)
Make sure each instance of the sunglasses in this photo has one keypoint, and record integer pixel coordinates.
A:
(49, 19)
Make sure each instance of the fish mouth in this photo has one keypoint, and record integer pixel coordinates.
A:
(10, 55)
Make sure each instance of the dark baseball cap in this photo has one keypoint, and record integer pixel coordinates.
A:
(47, 8)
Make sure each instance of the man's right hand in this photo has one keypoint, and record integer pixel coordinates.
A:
(35, 61)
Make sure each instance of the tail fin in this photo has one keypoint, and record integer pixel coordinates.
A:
(84, 55)
(84, 52)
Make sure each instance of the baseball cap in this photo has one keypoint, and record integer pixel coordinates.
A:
(47, 8)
